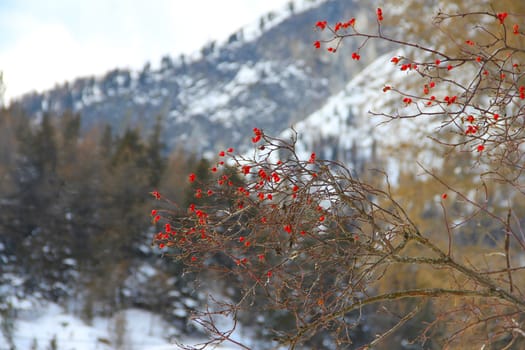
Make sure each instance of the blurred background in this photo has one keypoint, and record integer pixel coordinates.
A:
(44, 43)
(105, 101)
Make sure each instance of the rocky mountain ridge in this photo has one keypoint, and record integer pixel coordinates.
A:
(270, 77)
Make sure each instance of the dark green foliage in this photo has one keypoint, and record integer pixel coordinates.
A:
(7, 324)
(53, 343)
(74, 209)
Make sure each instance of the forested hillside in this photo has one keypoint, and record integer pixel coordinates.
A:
(74, 214)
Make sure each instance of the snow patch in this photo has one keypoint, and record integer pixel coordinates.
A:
(132, 329)
(246, 76)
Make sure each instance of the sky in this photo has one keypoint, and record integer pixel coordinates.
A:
(45, 42)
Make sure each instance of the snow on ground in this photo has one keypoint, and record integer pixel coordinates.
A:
(346, 119)
(131, 329)
(348, 113)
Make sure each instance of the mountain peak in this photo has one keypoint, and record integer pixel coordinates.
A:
(267, 74)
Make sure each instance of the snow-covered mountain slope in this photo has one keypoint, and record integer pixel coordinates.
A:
(267, 75)
(348, 126)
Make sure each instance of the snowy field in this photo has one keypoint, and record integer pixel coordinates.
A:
(130, 329)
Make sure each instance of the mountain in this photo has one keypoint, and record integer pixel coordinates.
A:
(267, 75)
(350, 126)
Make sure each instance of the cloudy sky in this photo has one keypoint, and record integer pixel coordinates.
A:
(44, 42)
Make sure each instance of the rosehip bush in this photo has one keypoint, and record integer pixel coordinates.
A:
(310, 238)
